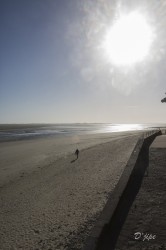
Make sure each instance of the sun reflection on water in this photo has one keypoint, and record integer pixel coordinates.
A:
(123, 127)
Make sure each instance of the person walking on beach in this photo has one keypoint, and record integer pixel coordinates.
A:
(77, 152)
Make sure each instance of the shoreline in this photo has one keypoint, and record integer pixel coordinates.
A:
(21, 132)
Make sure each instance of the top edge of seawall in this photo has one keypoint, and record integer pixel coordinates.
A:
(159, 142)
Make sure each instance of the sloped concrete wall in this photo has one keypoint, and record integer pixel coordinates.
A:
(105, 233)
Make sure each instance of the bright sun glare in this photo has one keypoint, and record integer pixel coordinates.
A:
(128, 41)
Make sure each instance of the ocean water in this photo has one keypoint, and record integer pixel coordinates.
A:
(30, 131)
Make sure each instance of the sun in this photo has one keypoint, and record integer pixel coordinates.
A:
(128, 41)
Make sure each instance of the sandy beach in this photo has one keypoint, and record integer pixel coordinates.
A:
(49, 200)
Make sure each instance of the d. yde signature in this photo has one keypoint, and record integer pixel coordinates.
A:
(144, 236)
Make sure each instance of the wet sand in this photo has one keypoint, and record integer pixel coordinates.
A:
(49, 200)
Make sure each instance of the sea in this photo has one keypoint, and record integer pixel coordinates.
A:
(12, 132)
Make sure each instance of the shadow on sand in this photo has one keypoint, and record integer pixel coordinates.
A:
(74, 160)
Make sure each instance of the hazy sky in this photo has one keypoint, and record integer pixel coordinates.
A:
(53, 69)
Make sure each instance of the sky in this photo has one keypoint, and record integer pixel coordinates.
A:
(54, 67)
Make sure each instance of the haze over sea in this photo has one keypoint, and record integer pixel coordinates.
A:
(10, 132)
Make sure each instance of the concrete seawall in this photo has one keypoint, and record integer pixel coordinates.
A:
(106, 231)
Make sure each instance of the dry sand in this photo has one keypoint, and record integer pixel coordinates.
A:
(50, 201)
(145, 226)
